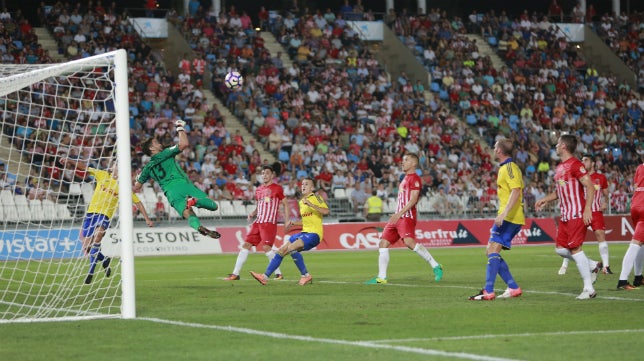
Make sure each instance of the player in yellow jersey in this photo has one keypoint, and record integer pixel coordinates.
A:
(312, 209)
(99, 212)
(507, 223)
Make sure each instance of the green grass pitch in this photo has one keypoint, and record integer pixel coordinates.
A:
(187, 312)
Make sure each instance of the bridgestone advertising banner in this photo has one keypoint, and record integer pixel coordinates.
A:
(183, 240)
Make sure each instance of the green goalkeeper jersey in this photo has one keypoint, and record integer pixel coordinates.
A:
(164, 169)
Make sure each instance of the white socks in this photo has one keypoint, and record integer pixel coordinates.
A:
(583, 265)
(424, 253)
(629, 261)
(241, 259)
(603, 253)
(270, 254)
(383, 262)
(639, 262)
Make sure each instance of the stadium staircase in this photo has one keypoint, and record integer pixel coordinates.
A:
(49, 43)
(273, 46)
(486, 50)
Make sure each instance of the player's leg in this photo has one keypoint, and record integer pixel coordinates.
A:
(598, 226)
(267, 234)
(628, 263)
(637, 268)
(388, 237)
(201, 199)
(508, 232)
(407, 227)
(570, 238)
(564, 266)
(242, 256)
(178, 198)
(304, 242)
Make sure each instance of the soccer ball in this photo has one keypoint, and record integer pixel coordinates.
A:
(233, 80)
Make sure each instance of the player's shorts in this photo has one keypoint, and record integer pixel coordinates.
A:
(637, 216)
(263, 233)
(503, 235)
(571, 234)
(598, 224)
(93, 221)
(404, 228)
(311, 240)
(179, 192)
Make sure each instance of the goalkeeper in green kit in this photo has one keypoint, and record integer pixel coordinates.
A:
(181, 193)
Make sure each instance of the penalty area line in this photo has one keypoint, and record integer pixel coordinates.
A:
(529, 334)
(366, 344)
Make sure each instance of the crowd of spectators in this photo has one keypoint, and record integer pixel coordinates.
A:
(336, 114)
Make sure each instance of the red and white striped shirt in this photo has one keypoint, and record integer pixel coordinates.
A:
(600, 182)
(570, 191)
(638, 188)
(410, 183)
(268, 199)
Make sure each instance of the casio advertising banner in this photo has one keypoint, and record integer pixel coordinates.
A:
(159, 241)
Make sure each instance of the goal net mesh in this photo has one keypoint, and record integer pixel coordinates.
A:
(49, 112)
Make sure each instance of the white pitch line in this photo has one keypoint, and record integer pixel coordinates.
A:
(366, 344)
(472, 288)
(532, 334)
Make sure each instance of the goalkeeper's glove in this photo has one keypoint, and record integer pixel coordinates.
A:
(180, 124)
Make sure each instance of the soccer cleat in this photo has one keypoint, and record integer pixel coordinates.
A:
(190, 202)
(586, 295)
(511, 292)
(232, 277)
(438, 273)
(279, 276)
(305, 279)
(483, 296)
(562, 270)
(207, 232)
(106, 266)
(595, 272)
(624, 285)
(638, 281)
(88, 279)
(376, 281)
(606, 270)
(260, 277)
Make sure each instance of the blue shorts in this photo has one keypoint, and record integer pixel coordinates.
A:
(311, 240)
(92, 221)
(503, 235)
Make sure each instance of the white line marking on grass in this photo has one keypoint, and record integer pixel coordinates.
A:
(531, 334)
(367, 344)
(473, 288)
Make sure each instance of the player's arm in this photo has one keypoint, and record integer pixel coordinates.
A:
(287, 212)
(141, 208)
(515, 194)
(413, 199)
(73, 162)
(318, 205)
(252, 214)
(590, 195)
(184, 142)
(545, 200)
(604, 205)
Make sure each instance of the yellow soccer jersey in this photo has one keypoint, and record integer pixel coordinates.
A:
(510, 177)
(106, 194)
(312, 219)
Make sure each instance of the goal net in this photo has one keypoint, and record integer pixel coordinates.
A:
(76, 110)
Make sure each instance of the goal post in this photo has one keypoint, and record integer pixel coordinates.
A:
(77, 110)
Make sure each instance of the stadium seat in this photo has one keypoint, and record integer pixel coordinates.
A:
(283, 156)
(340, 193)
(87, 190)
(435, 87)
(62, 212)
(22, 207)
(227, 209)
(37, 211)
(6, 197)
(49, 208)
(239, 208)
(10, 213)
(389, 206)
(75, 189)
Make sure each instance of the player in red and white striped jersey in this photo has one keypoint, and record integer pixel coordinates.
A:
(599, 205)
(634, 256)
(269, 196)
(402, 224)
(572, 182)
